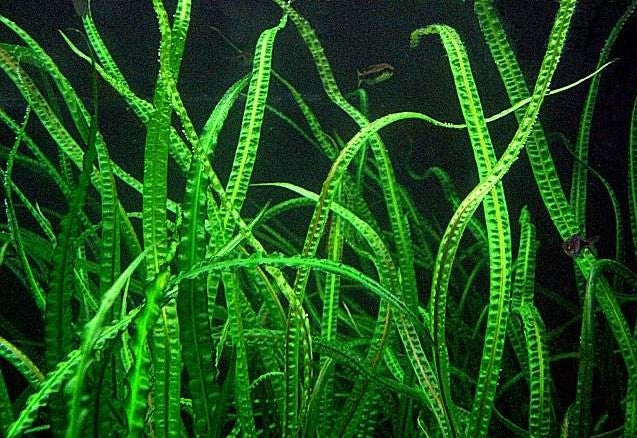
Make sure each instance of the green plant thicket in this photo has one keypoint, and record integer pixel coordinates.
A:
(206, 322)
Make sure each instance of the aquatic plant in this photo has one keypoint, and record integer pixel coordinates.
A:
(187, 315)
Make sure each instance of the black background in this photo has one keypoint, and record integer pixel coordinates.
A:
(355, 34)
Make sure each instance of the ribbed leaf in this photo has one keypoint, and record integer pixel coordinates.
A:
(382, 258)
(90, 335)
(156, 154)
(32, 95)
(77, 111)
(524, 263)
(524, 280)
(387, 184)
(6, 410)
(329, 322)
(386, 175)
(139, 378)
(143, 109)
(58, 330)
(384, 265)
(166, 356)
(12, 220)
(63, 371)
(579, 182)
(243, 398)
(478, 425)
(53, 383)
(245, 154)
(20, 361)
(632, 176)
(76, 108)
(498, 239)
(621, 330)
(179, 32)
(540, 403)
(210, 133)
(544, 171)
(192, 305)
(580, 414)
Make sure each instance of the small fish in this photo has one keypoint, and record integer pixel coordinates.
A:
(375, 73)
(574, 245)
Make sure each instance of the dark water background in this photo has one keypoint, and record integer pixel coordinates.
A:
(355, 34)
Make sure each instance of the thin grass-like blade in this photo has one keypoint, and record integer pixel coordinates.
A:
(579, 183)
(192, 303)
(478, 425)
(243, 398)
(167, 366)
(14, 227)
(619, 223)
(384, 265)
(253, 113)
(451, 194)
(90, 336)
(544, 171)
(621, 329)
(58, 330)
(540, 404)
(21, 362)
(62, 372)
(498, 239)
(579, 415)
(329, 321)
(139, 378)
(156, 155)
(6, 410)
(632, 176)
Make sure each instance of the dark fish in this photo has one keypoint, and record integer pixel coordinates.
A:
(375, 73)
(573, 246)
